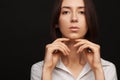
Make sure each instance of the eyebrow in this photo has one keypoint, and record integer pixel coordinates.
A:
(79, 7)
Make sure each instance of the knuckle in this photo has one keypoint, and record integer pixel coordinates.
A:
(98, 46)
(57, 39)
(47, 45)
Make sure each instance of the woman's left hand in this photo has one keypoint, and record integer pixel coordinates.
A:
(91, 51)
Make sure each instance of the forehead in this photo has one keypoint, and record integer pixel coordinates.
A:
(72, 3)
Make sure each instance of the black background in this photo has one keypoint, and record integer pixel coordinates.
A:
(24, 32)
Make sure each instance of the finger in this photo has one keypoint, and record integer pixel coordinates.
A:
(60, 49)
(65, 47)
(79, 44)
(62, 45)
(78, 40)
(64, 52)
(82, 41)
(61, 40)
(84, 48)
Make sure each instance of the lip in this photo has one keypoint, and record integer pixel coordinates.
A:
(74, 28)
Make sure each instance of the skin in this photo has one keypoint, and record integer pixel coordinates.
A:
(72, 15)
(72, 47)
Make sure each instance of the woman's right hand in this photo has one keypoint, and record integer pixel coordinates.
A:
(51, 56)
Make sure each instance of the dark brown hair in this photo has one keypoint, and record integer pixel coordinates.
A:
(90, 15)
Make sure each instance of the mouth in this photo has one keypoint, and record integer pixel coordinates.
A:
(74, 28)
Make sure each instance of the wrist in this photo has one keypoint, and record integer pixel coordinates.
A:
(47, 68)
(97, 66)
(98, 70)
(46, 74)
(99, 74)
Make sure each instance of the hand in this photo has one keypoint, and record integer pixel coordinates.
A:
(91, 51)
(52, 57)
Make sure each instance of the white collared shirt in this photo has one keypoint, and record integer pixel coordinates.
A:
(62, 73)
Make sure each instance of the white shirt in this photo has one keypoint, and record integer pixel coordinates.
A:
(62, 73)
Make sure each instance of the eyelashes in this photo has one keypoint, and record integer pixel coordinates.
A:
(68, 12)
(65, 12)
(82, 12)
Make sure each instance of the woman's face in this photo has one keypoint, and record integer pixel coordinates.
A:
(72, 22)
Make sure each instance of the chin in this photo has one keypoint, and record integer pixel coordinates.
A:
(73, 37)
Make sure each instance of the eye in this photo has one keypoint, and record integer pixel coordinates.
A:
(82, 12)
(65, 12)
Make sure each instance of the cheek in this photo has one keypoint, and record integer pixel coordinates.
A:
(83, 24)
(63, 20)
(63, 24)
(84, 28)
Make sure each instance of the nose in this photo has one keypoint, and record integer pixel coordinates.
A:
(74, 18)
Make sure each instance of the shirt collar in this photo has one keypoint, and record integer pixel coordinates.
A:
(61, 66)
(85, 70)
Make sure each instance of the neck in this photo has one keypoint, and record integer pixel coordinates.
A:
(73, 57)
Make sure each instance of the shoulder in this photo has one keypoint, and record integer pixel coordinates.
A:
(109, 70)
(36, 70)
(108, 64)
(37, 65)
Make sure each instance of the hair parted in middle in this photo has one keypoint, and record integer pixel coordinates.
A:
(90, 16)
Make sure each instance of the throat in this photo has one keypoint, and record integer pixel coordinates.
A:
(74, 66)
(74, 62)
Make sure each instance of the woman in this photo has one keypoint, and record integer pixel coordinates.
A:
(73, 55)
